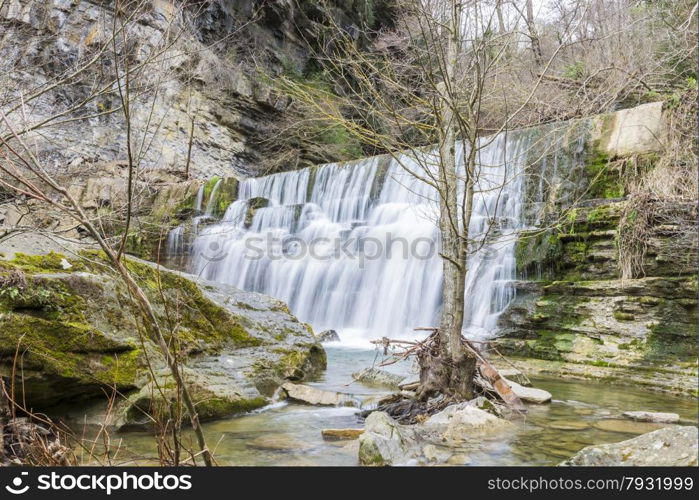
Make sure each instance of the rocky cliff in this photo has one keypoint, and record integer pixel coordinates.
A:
(199, 73)
(573, 314)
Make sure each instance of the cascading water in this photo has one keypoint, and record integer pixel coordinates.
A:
(351, 249)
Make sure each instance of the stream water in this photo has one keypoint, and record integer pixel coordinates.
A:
(581, 414)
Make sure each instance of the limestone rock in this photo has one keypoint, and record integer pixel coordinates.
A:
(515, 375)
(652, 416)
(625, 426)
(671, 446)
(312, 396)
(386, 442)
(378, 377)
(530, 394)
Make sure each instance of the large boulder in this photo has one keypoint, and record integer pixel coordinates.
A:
(328, 336)
(385, 441)
(671, 446)
(460, 422)
(73, 334)
(434, 441)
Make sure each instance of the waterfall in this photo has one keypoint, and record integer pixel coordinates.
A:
(211, 204)
(353, 247)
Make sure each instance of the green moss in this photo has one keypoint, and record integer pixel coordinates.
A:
(185, 309)
(605, 180)
(216, 407)
(622, 316)
(49, 263)
(122, 369)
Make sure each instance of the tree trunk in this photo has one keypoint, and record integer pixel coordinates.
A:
(533, 35)
(449, 369)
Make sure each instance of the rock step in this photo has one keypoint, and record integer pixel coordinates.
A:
(312, 396)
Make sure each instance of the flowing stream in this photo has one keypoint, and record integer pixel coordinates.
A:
(582, 413)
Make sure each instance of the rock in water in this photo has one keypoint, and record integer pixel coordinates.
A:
(375, 376)
(625, 426)
(460, 422)
(341, 434)
(515, 375)
(312, 396)
(671, 446)
(385, 441)
(328, 336)
(652, 416)
(278, 442)
(529, 394)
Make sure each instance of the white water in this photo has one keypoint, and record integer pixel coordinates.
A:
(362, 297)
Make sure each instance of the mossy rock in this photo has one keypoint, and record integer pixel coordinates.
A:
(76, 334)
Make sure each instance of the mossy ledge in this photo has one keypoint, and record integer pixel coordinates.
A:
(69, 327)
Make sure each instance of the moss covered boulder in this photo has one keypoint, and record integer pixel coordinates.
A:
(68, 331)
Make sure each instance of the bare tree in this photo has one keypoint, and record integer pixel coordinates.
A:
(134, 79)
(424, 87)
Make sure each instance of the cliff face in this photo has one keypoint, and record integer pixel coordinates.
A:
(573, 314)
(197, 71)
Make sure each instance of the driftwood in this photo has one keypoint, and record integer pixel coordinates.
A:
(489, 373)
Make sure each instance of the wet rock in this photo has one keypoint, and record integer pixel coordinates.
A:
(625, 426)
(376, 376)
(278, 442)
(651, 416)
(530, 394)
(569, 425)
(671, 446)
(515, 376)
(341, 434)
(312, 396)
(459, 459)
(328, 336)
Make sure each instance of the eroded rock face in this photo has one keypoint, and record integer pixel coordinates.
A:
(671, 446)
(577, 314)
(77, 335)
(205, 82)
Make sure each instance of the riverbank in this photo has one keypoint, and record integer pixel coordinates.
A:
(285, 433)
